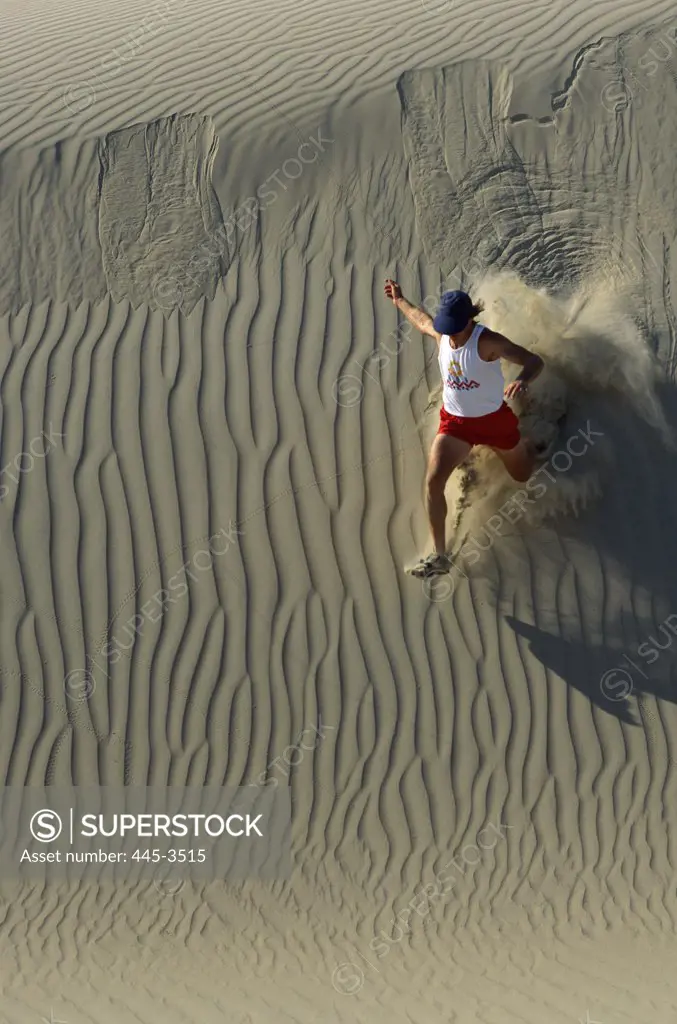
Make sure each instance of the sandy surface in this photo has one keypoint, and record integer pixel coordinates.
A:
(199, 204)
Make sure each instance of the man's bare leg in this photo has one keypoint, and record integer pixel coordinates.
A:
(446, 454)
(519, 461)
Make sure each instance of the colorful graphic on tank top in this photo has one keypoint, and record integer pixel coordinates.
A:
(457, 380)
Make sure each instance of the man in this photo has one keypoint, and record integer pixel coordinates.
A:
(473, 411)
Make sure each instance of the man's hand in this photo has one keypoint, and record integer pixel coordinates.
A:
(518, 387)
(392, 290)
(421, 320)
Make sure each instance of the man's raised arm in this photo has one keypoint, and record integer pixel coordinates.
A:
(414, 314)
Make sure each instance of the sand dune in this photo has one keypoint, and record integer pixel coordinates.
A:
(482, 826)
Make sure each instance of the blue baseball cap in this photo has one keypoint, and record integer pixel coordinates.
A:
(454, 313)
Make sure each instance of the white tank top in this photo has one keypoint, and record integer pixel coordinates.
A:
(472, 386)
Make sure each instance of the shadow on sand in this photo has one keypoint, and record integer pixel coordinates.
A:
(609, 678)
(633, 526)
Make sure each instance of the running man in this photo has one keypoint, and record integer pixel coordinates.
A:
(473, 410)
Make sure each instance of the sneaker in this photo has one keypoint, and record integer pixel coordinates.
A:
(431, 565)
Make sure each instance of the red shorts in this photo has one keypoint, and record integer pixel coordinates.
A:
(498, 429)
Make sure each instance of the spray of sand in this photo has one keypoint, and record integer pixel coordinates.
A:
(597, 358)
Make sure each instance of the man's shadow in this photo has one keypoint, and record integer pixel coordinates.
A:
(632, 525)
(610, 679)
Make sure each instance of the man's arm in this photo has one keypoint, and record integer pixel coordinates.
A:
(414, 314)
(496, 346)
